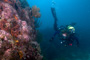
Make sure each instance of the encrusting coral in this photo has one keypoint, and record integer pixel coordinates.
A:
(17, 32)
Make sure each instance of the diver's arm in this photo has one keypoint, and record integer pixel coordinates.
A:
(56, 33)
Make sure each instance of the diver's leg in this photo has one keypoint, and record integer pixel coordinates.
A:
(74, 39)
(55, 25)
(54, 13)
(55, 18)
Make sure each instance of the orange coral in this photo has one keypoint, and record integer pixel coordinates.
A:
(20, 54)
(16, 17)
(14, 31)
(16, 41)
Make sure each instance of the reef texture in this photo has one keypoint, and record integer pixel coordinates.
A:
(17, 31)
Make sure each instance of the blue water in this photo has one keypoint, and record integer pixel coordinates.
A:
(67, 11)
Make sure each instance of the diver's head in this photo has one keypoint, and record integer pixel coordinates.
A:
(71, 29)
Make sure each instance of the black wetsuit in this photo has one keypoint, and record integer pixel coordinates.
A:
(70, 39)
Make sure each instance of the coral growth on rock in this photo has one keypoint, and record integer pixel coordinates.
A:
(17, 32)
(35, 12)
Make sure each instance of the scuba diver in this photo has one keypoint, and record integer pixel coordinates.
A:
(66, 33)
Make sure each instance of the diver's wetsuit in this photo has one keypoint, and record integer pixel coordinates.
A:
(70, 39)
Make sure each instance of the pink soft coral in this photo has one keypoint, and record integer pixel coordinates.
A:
(7, 54)
(25, 27)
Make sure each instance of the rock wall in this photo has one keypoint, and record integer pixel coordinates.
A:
(17, 31)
